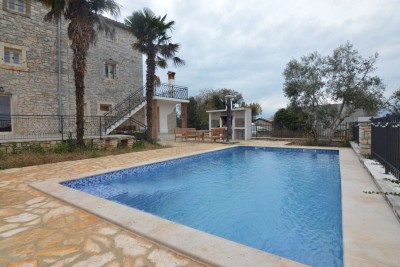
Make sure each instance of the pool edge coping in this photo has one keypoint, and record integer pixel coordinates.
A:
(168, 234)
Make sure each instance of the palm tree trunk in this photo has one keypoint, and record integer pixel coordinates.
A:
(150, 73)
(80, 46)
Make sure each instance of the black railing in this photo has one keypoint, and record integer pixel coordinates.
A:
(134, 100)
(385, 143)
(343, 131)
(171, 91)
(32, 127)
(356, 133)
(123, 108)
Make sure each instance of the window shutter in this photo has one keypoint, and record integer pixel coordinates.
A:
(7, 56)
(21, 6)
(16, 58)
(11, 5)
(105, 70)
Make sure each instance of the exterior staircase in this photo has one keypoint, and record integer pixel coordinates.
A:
(135, 102)
(123, 111)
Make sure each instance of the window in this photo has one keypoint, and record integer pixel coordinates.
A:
(13, 57)
(110, 35)
(5, 113)
(21, 7)
(104, 107)
(110, 70)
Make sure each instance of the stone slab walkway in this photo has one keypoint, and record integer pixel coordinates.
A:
(38, 230)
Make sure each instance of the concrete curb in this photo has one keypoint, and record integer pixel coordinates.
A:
(377, 172)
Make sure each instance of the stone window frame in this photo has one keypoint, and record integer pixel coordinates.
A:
(100, 103)
(111, 35)
(11, 113)
(11, 66)
(25, 13)
(106, 68)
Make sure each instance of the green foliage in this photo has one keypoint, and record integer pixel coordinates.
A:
(139, 145)
(62, 147)
(393, 103)
(255, 109)
(14, 149)
(346, 143)
(291, 118)
(152, 39)
(2, 155)
(315, 83)
(35, 148)
(393, 181)
(209, 99)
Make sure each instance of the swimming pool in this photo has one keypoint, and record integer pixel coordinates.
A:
(283, 201)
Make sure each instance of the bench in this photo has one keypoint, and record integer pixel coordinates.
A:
(215, 134)
(185, 133)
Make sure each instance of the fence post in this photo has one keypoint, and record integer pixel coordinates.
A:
(364, 135)
(100, 128)
(387, 133)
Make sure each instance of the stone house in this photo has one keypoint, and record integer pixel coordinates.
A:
(36, 76)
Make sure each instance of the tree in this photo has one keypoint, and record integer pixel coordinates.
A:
(153, 41)
(393, 103)
(331, 88)
(84, 20)
(193, 120)
(291, 118)
(255, 109)
(209, 99)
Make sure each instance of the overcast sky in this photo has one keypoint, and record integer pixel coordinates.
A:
(245, 45)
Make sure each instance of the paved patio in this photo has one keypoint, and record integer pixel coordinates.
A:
(39, 230)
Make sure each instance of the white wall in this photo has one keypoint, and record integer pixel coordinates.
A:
(165, 110)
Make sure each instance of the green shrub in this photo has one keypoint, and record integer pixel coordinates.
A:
(61, 148)
(35, 148)
(139, 144)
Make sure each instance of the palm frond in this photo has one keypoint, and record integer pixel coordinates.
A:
(178, 61)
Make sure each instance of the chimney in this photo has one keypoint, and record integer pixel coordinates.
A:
(171, 77)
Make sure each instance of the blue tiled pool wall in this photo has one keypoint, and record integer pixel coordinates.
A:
(86, 182)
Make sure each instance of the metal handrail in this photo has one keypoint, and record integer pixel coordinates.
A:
(171, 91)
(123, 108)
(131, 102)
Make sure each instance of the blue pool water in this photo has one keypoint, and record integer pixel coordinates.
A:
(282, 201)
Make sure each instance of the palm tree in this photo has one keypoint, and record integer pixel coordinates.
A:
(153, 41)
(84, 21)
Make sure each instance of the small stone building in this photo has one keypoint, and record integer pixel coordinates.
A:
(241, 122)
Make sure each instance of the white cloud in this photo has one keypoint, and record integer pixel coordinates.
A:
(245, 45)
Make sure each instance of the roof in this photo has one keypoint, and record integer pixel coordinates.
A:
(265, 120)
(116, 23)
(224, 110)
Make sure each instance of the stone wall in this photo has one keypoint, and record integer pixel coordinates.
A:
(364, 135)
(33, 90)
(107, 143)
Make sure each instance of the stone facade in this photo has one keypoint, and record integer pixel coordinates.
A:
(364, 135)
(33, 86)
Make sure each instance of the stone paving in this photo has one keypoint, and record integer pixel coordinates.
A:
(38, 230)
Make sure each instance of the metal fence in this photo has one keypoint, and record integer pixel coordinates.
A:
(17, 127)
(385, 143)
(343, 132)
